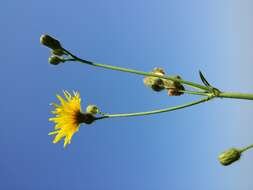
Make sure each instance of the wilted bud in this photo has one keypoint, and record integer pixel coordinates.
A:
(174, 87)
(55, 60)
(86, 118)
(158, 71)
(58, 52)
(155, 83)
(50, 42)
(229, 156)
(93, 109)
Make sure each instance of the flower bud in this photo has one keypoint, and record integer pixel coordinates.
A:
(229, 156)
(55, 60)
(50, 42)
(58, 52)
(92, 109)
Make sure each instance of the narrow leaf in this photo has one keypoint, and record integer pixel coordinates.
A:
(203, 79)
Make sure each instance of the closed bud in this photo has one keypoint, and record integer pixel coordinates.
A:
(58, 52)
(229, 156)
(55, 60)
(93, 109)
(50, 42)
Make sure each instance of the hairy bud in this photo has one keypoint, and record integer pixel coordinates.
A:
(93, 109)
(58, 52)
(50, 42)
(55, 60)
(229, 156)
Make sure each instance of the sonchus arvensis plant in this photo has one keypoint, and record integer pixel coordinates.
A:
(69, 115)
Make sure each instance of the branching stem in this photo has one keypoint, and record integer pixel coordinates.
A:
(202, 90)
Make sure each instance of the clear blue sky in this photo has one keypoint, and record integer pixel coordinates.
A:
(176, 150)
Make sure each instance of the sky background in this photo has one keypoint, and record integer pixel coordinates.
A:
(176, 150)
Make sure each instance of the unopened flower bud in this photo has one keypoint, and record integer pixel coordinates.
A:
(50, 42)
(93, 109)
(55, 60)
(58, 52)
(229, 156)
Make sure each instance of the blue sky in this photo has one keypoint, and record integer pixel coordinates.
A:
(176, 150)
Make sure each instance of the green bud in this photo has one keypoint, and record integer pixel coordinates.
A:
(55, 60)
(92, 109)
(229, 156)
(50, 42)
(58, 52)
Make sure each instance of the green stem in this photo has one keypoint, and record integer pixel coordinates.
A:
(156, 111)
(246, 148)
(191, 84)
(195, 92)
(236, 95)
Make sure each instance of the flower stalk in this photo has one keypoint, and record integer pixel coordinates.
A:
(156, 111)
(202, 90)
(105, 66)
(246, 148)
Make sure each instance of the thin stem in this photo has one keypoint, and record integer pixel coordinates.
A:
(156, 111)
(191, 84)
(246, 148)
(195, 92)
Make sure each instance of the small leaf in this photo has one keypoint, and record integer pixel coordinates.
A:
(204, 79)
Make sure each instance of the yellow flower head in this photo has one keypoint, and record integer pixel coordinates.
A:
(68, 117)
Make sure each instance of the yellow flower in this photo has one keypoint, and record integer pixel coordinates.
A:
(68, 117)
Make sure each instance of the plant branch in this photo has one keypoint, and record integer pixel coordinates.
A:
(204, 91)
(155, 111)
(191, 84)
